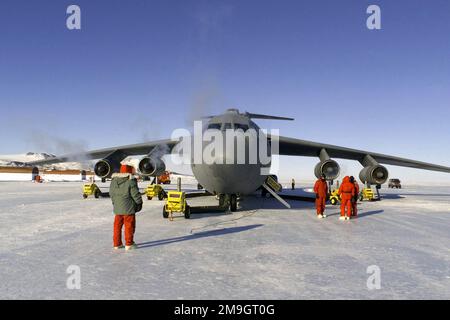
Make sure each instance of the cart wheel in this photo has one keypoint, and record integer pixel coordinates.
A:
(85, 196)
(187, 212)
(160, 196)
(97, 194)
(233, 203)
(149, 198)
(221, 200)
(165, 213)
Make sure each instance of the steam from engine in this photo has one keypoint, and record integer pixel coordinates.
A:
(329, 168)
(376, 174)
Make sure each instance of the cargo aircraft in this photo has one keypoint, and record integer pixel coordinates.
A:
(230, 180)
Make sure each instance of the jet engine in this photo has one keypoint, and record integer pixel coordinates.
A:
(376, 174)
(109, 165)
(106, 167)
(329, 168)
(150, 166)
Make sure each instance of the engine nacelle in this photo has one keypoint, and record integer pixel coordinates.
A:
(374, 175)
(149, 166)
(329, 168)
(106, 167)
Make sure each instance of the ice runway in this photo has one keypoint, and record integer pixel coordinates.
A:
(261, 252)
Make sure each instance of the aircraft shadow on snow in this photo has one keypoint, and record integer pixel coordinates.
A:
(200, 235)
(361, 214)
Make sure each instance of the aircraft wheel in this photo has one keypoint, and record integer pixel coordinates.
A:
(233, 203)
(165, 213)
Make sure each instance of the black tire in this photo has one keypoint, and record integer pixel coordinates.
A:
(333, 201)
(233, 203)
(161, 196)
(149, 198)
(97, 194)
(187, 212)
(165, 213)
(85, 196)
(221, 200)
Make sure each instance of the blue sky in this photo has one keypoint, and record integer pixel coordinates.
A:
(138, 69)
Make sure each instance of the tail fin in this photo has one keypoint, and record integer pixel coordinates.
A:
(263, 116)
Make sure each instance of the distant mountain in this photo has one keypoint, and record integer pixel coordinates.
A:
(19, 160)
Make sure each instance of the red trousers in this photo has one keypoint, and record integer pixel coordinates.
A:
(130, 226)
(320, 205)
(346, 203)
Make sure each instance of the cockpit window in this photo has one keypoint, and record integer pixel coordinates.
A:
(227, 126)
(214, 126)
(243, 127)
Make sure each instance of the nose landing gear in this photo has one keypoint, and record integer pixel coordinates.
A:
(228, 201)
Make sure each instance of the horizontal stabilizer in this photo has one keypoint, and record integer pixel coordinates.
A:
(263, 116)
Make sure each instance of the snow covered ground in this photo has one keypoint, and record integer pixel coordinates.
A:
(261, 252)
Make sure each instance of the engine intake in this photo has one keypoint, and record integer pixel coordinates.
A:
(329, 168)
(374, 174)
(105, 168)
(111, 164)
(149, 166)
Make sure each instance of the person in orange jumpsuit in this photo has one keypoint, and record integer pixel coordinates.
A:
(321, 191)
(347, 192)
(355, 198)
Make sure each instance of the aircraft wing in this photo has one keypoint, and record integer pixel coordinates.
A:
(161, 146)
(297, 147)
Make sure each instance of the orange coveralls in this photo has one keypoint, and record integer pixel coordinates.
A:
(347, 192)
(321, 190)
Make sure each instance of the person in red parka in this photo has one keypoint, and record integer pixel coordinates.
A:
(347, 192)
(355, 198)
(321, 191)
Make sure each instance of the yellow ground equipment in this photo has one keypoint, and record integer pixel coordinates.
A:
(367, 194)
(335, 198)
(91, 189)
(176, 202)
(155, 190)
